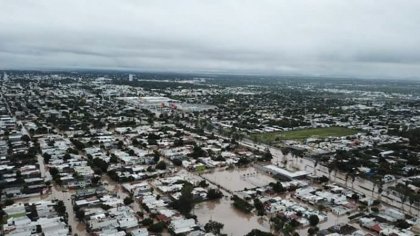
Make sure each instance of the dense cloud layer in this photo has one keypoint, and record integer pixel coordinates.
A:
(322, 37)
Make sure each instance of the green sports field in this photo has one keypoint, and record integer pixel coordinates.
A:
(273, 137)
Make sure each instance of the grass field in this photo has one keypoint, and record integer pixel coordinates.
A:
(17, 215)
(273, 137)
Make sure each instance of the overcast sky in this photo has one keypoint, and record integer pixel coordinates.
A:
(363, 38)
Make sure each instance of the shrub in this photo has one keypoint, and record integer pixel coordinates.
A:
(157, 228)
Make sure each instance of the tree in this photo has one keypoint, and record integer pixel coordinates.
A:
(213, 227)
(323, 179)
(257, 232)
(140, 214)
(157, 228)
(128, 200)
(100, 164)
(150, 169)
(156, 156)
(203, 184)
(355, 197)
(177, 162)
(267, 155)
(135, 142)
(313, 220)
(114, 175)
(120, 144)
(72, 151)
(241, 204)
(218, 158)
(277, 187)
(277, 223)
(47, 158)
(9, 202)
(213, 194)
(131, 152)
(19, 177)
(80, 214)
(113, 158)
(95, 180)
(259, 206)
(178, 142)
(66, 157)
(197, 152)
(243, 161)
(60, 208)
(55, 175)
(311, 231)
(161, 165)
(402, 224)
(288, 229)
(25, 138)
(152, 142)
(79, 145)
(147, 222)
(185, 203)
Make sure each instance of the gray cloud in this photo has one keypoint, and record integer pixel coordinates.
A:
(323, 37)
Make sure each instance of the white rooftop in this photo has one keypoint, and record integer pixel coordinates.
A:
(285, 172)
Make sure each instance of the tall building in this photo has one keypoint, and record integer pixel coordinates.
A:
(5, 76)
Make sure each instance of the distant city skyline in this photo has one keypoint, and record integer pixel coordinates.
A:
(316, 38)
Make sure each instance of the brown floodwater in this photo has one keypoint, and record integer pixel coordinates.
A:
(58, 194)
(235, 222)
(239, 178)
(62, 194)
(116, 188)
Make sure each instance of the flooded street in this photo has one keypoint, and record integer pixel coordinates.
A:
(230, 181)
(360, 185)
(235, 222)
(239, 223)
(57, 194)
(76, 225)
(65, 196)
(115, 188)
(332, 219)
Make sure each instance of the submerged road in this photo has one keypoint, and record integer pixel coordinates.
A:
(359, 185)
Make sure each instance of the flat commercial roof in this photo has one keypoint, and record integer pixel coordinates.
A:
(285, 172)
(156, 99)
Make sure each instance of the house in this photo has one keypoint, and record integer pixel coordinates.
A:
(140, 232)
(182, 226)
(395, 214)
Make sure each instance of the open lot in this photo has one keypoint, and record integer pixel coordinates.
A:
(303, 134)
